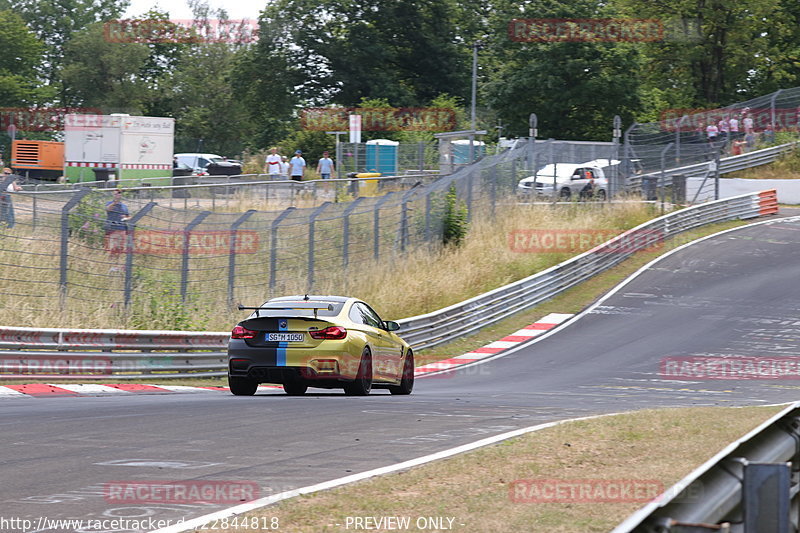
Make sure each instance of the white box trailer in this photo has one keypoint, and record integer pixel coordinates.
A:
(130, 147)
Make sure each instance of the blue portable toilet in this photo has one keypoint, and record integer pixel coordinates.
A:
(382, 156)
(461, 151)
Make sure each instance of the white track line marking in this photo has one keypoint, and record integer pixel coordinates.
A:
(92, 388)
(326, 485)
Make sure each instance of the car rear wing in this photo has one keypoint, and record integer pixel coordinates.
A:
(288, 306)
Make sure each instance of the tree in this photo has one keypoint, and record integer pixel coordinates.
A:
(55, 22)
(575, 88)
(717, 51)
(105, 75)
(21, 57)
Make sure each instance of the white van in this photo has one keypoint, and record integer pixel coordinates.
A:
(581, 180)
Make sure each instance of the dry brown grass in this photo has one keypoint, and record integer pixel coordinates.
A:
(473, 488)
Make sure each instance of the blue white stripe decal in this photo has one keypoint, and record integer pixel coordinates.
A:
(280, 354)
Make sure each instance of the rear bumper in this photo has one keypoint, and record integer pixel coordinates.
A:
(331, 361)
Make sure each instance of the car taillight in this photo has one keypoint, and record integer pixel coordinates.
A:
(240, 332)
(329, 333)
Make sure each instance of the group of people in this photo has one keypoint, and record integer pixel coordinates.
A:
(736, 132)
(278, 167)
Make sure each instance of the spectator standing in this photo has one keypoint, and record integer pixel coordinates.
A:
(297, 166)
(733, 125)
(115, 226)
(284, 167)
(747, 124)
(272, 164)
(712, 132)
(724, 128)
(325, 166)
(6, 204)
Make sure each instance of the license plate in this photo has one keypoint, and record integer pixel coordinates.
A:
(285, 337)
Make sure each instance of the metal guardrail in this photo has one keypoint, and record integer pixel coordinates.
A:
(750, 487)
(174, 354)
(727, 164)
(426, 331)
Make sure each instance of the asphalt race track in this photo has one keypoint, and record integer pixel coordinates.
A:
(737, 294)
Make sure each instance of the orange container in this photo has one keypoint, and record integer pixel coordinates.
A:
(37, 155)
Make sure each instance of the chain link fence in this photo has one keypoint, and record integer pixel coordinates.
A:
(687, 137)
(188, 251)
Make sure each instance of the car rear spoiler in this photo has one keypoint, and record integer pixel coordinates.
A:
(280, 306)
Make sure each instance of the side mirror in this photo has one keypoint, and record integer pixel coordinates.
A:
(391, 326)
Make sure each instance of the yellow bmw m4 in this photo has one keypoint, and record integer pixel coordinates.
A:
(318, 341)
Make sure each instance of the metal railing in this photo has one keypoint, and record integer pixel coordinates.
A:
(727, 164)
(439, 327)
(174, 354)
(750, 487)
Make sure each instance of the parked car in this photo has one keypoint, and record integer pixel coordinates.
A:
(582, 180)
(209, 164)
(318, 341)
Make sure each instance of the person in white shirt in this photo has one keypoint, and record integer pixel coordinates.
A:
(6, 204)
(712, 131)
(325, 166)
(272, 164)
(747, 122)
(297, 166)
(733, 124)
(285, 167)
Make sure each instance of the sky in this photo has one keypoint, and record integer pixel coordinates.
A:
(179, 9)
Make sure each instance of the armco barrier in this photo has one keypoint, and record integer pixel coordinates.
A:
(726, 164)
(751, 486)
(432, 329)
(130, 354)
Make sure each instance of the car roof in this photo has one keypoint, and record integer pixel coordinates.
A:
(191, 154)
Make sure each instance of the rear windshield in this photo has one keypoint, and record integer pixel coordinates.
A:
(290, 311)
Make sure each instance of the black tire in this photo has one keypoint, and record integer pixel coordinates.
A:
(362, 385)
(601, 195)
(565, 194)
(407, 381)
(242, 386)
(295, 388)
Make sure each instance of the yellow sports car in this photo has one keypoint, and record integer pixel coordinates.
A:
(318, 341)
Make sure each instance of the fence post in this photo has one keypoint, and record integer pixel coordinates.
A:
(470, 179)
(493, 186)
(429, 192)
(404, 218)
(346, 230)
(772, 108)
(421, 155)
(663, 191)
(72, 202)
(514, 173)
(185, 252)
(376, 246)
(129, 249)
(232, 256)
(614, 170)
(312, 220)
(273, 246)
